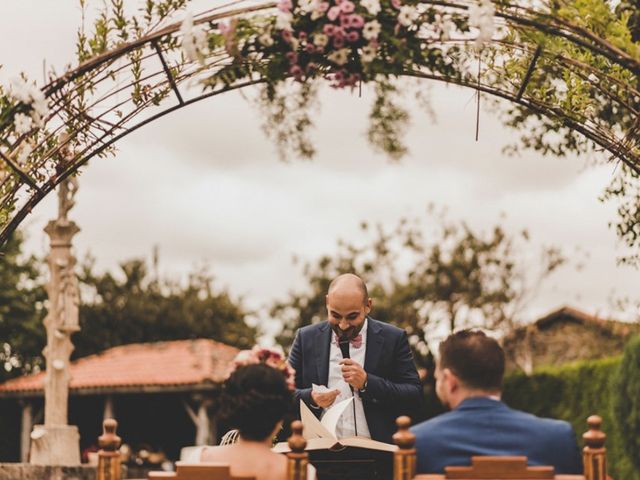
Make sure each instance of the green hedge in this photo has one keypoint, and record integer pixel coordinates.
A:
(573, 392)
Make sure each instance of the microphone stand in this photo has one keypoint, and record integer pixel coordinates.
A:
(343, 343)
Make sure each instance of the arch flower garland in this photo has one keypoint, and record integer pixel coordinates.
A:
(568, 69)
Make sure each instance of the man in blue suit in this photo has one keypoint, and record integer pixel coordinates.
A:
(379, 374)
(469, 375)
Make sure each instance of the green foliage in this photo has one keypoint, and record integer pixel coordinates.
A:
(22, 294)
(626, 403)
(573, 393)
(454, 277)
(136, 307)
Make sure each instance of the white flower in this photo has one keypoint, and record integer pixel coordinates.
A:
(283, 20)
(445, 26)
(339, 57)
(372, 6)
(320, 40)
(266, 39)
(21, 90)
(407, 15)
(368, 54)
(194, 39)
(24, 154)
(23, 123)
(481, 17)
(32, 96)
(371, 30)
(307, 6)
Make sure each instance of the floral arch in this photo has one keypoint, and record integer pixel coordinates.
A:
(570, 70)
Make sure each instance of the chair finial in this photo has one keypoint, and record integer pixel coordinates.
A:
(297, 442)
(109, 441)
(403, 438)
(594, 437)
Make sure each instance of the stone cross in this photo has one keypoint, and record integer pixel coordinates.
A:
(55, 442)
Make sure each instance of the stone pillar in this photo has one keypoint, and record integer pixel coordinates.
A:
(205, 428)
(55, 442)
(25, 429)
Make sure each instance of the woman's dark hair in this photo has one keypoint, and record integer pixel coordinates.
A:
(254, 399)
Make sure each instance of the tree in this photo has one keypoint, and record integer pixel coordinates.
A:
(22, 296)
(453, 278)
(141, 308)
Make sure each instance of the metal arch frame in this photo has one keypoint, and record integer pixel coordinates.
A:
(101, 131)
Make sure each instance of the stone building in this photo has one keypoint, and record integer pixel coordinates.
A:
(564, 336)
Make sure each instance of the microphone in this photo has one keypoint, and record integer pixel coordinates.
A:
(343, 343)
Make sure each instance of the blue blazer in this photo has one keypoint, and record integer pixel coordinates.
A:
(482, 426)
(393, 385)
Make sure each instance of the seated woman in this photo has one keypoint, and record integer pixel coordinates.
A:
(254, 401)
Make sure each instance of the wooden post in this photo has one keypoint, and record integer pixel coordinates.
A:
(297, 458)
(594, 453)
(404, 459)
(108, 455)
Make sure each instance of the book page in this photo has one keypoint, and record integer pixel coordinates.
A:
(333, 414)
(312, 428)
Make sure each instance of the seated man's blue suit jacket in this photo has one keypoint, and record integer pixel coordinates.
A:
(483, 426)
(393, 385)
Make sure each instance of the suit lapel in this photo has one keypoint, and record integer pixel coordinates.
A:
(321, 345)
(375, 342)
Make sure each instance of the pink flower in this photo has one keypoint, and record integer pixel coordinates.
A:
(329, 29)
(287, 35)
(334, 12)
(356, 21)
(345, 21)
(396, 4)
(352, 37)
(302, 35)
(309, 48)
(323, 7)
(347, 6)
(311, 67)
(339, 32)
(338, 42)
(297, 73)
(285, 5)
(339, 76)
(292, 57)
(338, 2)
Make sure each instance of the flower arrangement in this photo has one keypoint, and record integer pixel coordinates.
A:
(267, 356)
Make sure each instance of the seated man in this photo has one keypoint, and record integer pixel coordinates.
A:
(469, 375)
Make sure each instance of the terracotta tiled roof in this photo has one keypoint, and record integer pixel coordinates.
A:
(161, 364)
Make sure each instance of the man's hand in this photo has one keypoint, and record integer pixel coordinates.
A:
(326, 399)
(353, 373)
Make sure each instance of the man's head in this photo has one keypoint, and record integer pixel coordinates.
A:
(470, 364)
(348, 304)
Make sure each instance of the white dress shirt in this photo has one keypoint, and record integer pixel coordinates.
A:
(346, 426)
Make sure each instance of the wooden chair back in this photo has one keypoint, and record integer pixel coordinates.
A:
(501, 468)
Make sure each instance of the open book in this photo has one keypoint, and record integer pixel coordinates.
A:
(321, 434)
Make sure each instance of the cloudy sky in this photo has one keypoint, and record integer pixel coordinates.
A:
(205, 186)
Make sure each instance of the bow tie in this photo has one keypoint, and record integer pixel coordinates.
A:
(356, 342)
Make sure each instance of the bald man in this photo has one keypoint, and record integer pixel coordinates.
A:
(379, 374)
